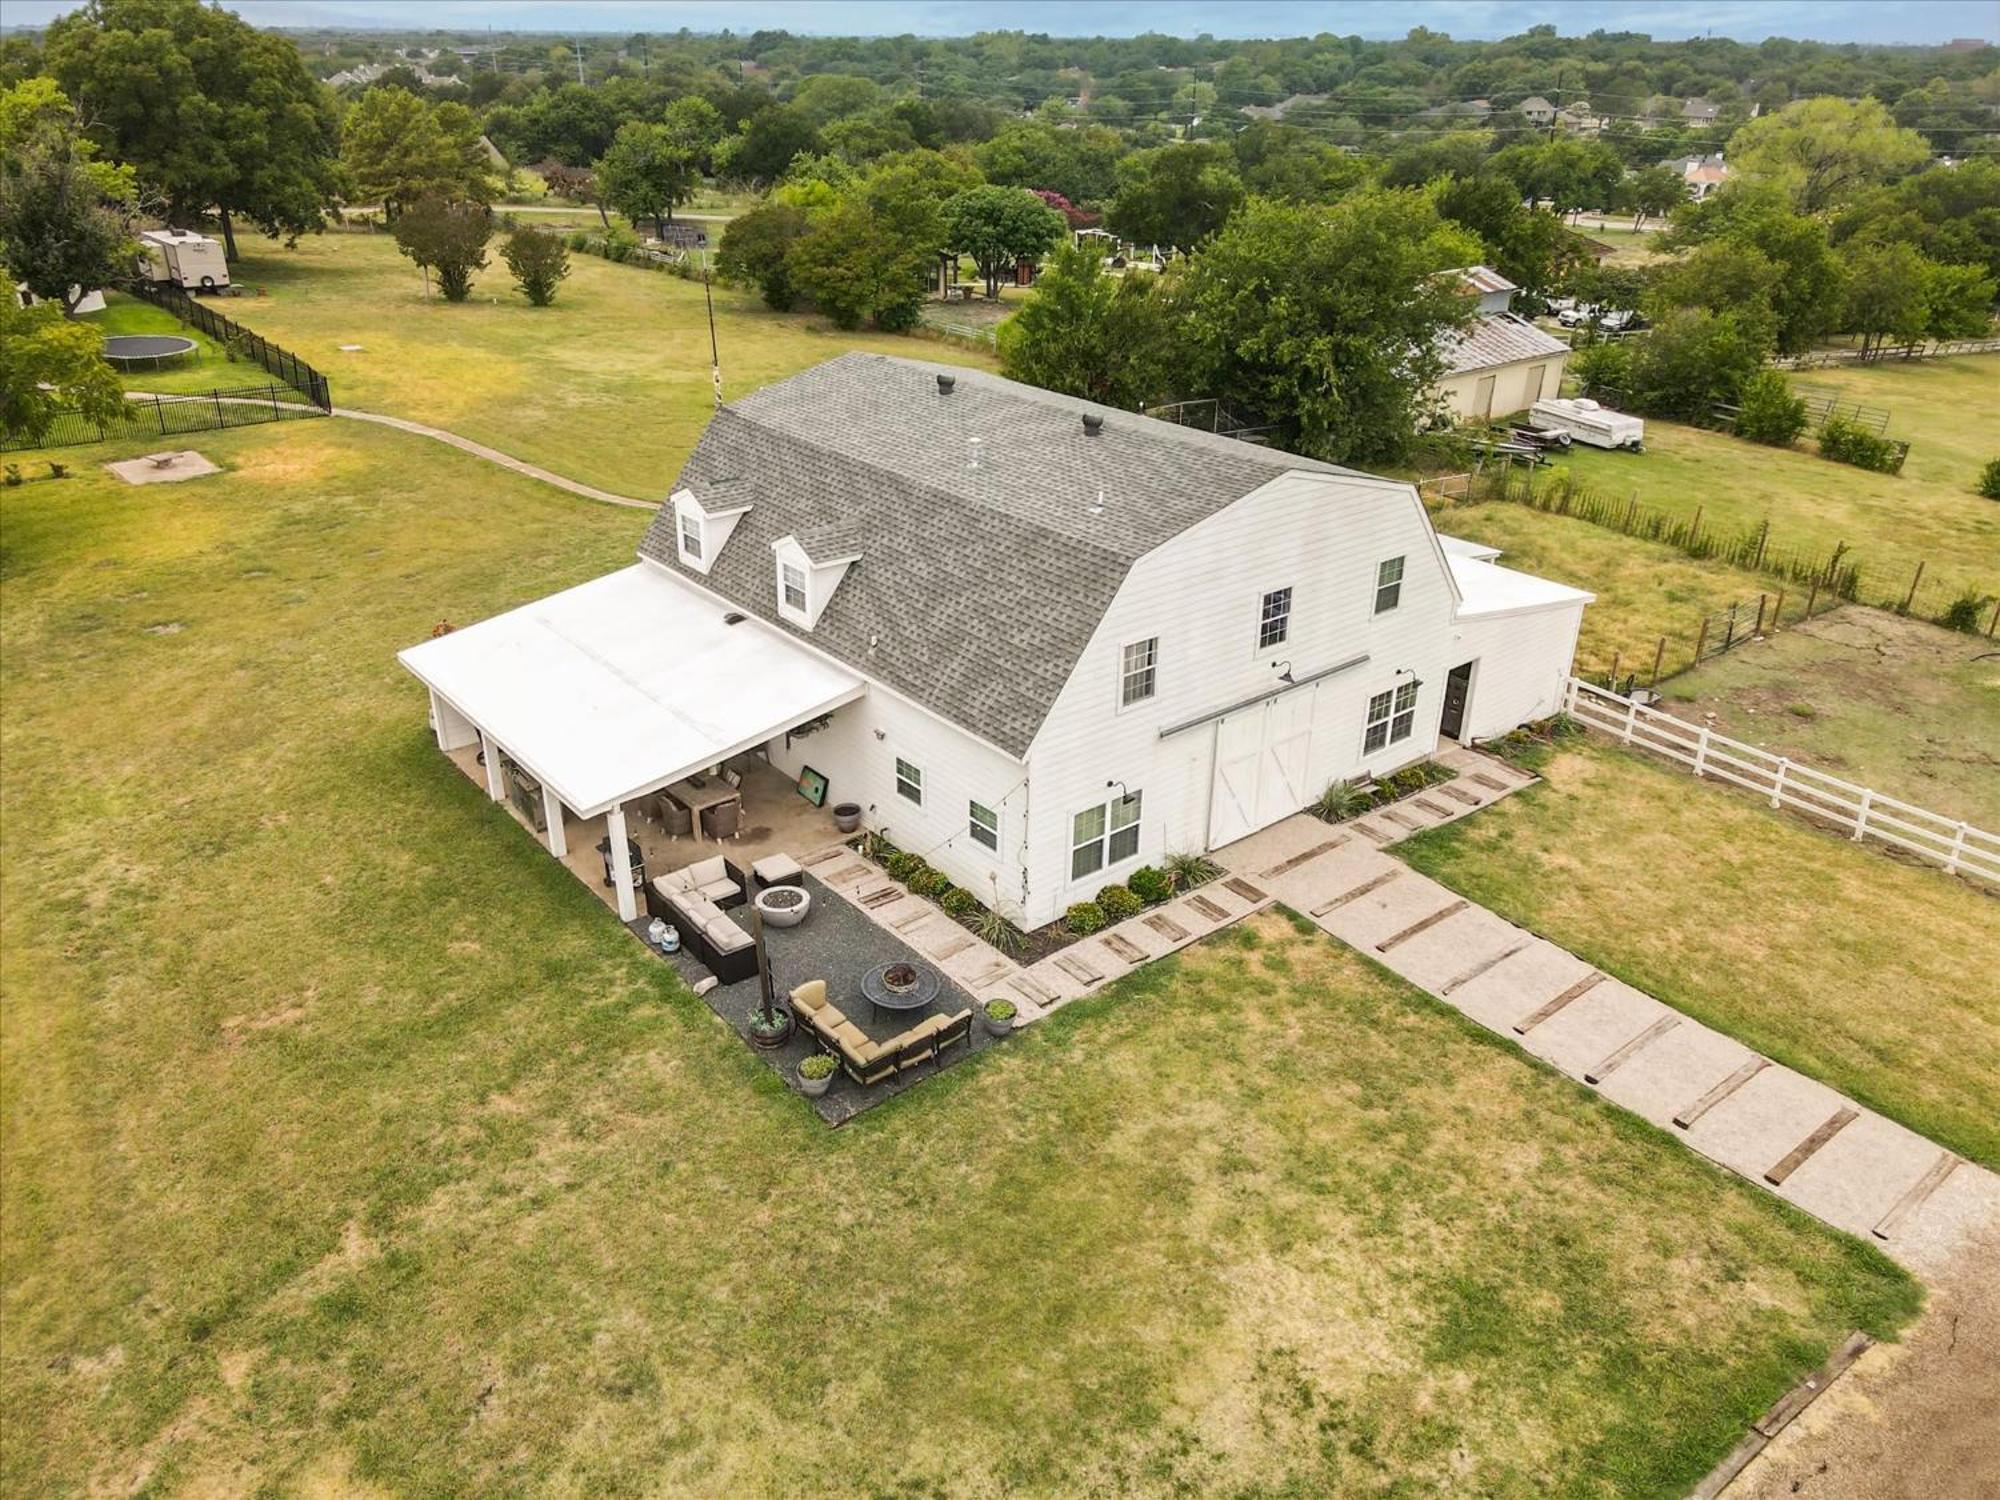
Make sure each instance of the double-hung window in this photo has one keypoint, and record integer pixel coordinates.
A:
(1274, 619)
(792, 578)
(1104, 835)
(1388, 585)
(691, 536)
(1391, 717)
(909, 781)
(983, 823)
(1137, 675)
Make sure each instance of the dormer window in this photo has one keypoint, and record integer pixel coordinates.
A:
(807, 569)
(704, 520)
(792, 586)
(691, 538)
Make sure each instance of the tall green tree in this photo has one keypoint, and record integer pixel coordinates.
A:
(1175, 195)
(998, 226)
(448, 238)
(858, 263)
(1822, 152)
(398, 148)
(767, 143)
(58, 235)
(1105, 338)
(210, 112)
(1327, 323)
(647, 173)
(756, 251)
(1654, 192)
(1528, 246)
(49, 366)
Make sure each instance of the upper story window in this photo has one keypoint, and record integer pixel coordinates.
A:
(792, 586)
(983, 823)
(1137, 671)
(1388, 585)
(690, 537)
(1391, 717)
(1274, 619)
(909, 781)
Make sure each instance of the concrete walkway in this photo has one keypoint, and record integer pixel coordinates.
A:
(1789, 1134)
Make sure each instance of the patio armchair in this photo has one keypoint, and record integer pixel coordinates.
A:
(723, 821)
(677, 820)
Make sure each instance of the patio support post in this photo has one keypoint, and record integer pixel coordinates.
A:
(621, 866)
(496, 786)
(552, 812)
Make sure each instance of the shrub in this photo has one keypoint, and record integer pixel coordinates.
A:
(539, 261)
(1150, 885)
(903, 866)
(929, 882)
(996, 931)
(1117, 903)
(1084, 918)
(1964, 612)
(1189, 870)
(1770, 412)
(1603, 371)
(958, 902)
(1989, 480)
(1844, 442)
(1001, 1010)
(1342, 799)
(819, 1065)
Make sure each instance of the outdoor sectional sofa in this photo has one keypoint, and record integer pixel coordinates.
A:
(868, 1062)
(695, 899)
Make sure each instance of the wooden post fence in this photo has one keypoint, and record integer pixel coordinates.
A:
(1911, 597)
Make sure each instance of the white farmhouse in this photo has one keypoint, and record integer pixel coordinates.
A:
(1039, 641)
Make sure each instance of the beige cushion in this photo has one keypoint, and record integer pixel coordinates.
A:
(853, 1039)
(810, 996)
(775, 867)
(725, 934)
(721, 890)
(705, 872)
(674, 882)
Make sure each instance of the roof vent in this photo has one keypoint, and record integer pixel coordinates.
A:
(1093, 424)
(734, 617)
(945, 383)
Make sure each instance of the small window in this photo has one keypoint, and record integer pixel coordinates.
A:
(1388, 585)
(1392, 716)
(1125, 828)
(794, 580)
(1274, 620)
(691, 536)
(1104, 835)
(909, 781)
(983, 823)
(1086, 856)
(1136, 678)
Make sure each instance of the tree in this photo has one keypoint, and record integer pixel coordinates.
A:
(756, 251)
(398, 148)
(36, 105)
(1327, 323)
(449, 238)
(1083, 333)
(646, 173)
(769, 141)
(1770, 413)
(858, 263)
(1722, 276)
(48, 366)
(1175, 195)
(1692, 361)
(1653, 192)
(695, 125)
(1527, 246)
(57, 234)
(1895, 292)
(1807, 285)
(826, 97)
(539, 261)
(1822, 152)
(1080, 164)
(209, 111)
(998, 226)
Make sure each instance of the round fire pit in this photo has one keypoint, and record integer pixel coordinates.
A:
(902, 985)
(784, 905)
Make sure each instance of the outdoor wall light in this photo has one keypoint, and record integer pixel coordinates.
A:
(1284, 671)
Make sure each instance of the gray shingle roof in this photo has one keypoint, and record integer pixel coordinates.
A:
(1497, 339)
(986, 556)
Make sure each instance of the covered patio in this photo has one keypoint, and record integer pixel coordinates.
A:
(578, 710)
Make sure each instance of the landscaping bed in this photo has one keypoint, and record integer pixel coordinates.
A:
(1345, 800)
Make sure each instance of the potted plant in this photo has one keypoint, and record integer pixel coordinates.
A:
(998, 1016)
(847, 816)
(816, 1074)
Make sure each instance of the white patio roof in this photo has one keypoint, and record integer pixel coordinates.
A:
(1487, 589)
(616, 687)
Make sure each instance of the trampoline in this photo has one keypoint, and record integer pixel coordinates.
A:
(132, 351)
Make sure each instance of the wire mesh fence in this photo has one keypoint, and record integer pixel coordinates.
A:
(164, 416)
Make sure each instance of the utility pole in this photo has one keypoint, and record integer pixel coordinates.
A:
(578, 50)
(714, 354)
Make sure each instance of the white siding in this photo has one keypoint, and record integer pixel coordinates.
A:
(956, 768)
(1522, 661)
(1322, 535)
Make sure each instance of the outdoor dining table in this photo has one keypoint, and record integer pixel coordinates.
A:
(713, 792)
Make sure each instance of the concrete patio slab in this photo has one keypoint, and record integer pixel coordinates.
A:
(1514, 989)
(1602, 1020)
(1752, 1129)
(1434, 958)
(1676, 1070)
(1856, 1178)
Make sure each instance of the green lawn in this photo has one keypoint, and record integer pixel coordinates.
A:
(1905, 707)
(1930, 513)
(609, 385)
(1869, 974)
(351, 1147)
(205, 370)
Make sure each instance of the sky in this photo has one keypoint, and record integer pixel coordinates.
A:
(1909, 21)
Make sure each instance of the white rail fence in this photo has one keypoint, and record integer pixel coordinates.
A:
(1865, 813)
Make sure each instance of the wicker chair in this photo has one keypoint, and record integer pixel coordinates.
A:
(677, 820)
(723, 821)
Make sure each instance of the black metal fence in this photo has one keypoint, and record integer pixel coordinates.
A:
(240, 341)
(163, 416)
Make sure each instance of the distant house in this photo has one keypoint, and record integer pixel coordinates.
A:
(1702, 174)
(1536, 110)
(1579, 118)
(1700, 111)
(1042, 641)
(1458, 109)
(1501, 362)
(1283, 107)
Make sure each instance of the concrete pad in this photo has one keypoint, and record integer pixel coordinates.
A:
(1965, 1205)
(1754, 1127)
(1593, 1026)
(1434, 958)
(1386, 911)
(184, 464)
(1513, 989)
(1675, 1071)
(1269, 847)
(1856, 1178)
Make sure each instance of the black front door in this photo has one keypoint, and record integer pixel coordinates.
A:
(1457, 688)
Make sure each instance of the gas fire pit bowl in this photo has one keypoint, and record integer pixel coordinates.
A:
(784, 905)
(903, 985)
